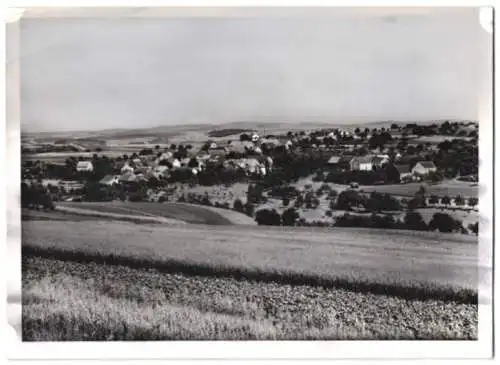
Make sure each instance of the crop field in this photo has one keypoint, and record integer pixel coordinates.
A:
(450, 189)
(175, 211)
(64, 300)
(406, 264)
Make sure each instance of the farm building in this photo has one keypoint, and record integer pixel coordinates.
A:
(424, 168)
(405, 172)
(84, 166)
(364, 163)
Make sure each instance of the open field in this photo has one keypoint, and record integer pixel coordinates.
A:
(451, 189)
(406, 264)
(189, 213)
(65, 300)
(437, 139)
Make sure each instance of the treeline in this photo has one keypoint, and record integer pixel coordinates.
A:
(35, 196)
(441, 222)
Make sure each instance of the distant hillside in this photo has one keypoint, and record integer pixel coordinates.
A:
(176, 130)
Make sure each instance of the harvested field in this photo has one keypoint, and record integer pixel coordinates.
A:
(65, 301)
(406, 264)
(174, 211)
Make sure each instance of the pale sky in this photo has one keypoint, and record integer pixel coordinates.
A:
(349, 66)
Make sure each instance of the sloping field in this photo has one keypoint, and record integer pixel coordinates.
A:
(189, 213)
(399, 263)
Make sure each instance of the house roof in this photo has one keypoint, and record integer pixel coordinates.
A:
(363, 159)
(427, 164)
(128, 177)
(84, 164)
(107, 179)
(334, 159)
(403, 169)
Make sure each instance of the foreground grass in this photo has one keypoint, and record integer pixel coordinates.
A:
(74, 301)
(421, 268)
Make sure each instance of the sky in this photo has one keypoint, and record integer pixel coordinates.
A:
(347, 65)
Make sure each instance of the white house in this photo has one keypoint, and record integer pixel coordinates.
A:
(84, 166)
(424, 168)
(175, 163)
(126, 168)
(255, 137)
(160, 171)
(364, 163)
(164, 156)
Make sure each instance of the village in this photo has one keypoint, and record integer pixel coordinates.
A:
(223, 169)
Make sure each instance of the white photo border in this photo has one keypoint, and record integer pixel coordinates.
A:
(16, 349)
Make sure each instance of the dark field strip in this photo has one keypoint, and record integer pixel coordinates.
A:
(416, 291)
(189, 213)
(71, 301)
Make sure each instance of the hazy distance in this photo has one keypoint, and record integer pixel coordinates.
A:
(353, 66)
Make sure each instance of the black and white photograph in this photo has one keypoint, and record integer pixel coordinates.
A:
(307, 174)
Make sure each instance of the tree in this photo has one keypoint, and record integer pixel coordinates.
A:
(290, 217)
(434, 199)
(245, 137)
(173, 146)
(414, 221)
(285, 201)
(157, 147)
(474, 228)
(444, 223)
(238, 206)
(459, 200)
(473, 201)
(268, 217)
(445, 200)
(249, 209)
(347, 199)
(193, 163)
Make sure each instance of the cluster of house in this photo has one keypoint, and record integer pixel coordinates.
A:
(372, 162)
(161, 165)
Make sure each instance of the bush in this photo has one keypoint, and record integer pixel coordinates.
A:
(136, 197)
(433, 199)
(268, 217)
(238, 206)
(249, 209)
(414, 221)
(285, 201)
(379, 202)
(162, 199)
(445, 200)
(444, 223)
(474, 228)
(348, 199)
(290, 217)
